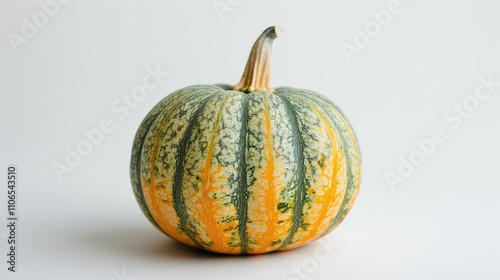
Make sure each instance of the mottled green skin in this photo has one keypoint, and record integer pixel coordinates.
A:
(212, 127)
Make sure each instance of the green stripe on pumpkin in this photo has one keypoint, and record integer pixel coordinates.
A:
(301, 184)
(241, 200)
(166, 104)
(159, 155)
(179, 204)
(349, 145)
(210, 159)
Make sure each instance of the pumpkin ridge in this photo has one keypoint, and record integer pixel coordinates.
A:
(218, 192)
(270, 198)
(156, 186)
(208, 218)
(298, 144)
(331, 197)
(178, 200)
(241, 201)
(137, 150)
(348, 145)
(352, 190)
(317, 156)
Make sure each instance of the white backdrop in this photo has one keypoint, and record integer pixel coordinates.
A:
(418, 80)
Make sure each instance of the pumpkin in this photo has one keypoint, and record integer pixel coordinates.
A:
(246, 169)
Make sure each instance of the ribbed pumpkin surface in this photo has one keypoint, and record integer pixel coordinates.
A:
(236, 173)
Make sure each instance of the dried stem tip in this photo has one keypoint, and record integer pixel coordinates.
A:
(258, 70)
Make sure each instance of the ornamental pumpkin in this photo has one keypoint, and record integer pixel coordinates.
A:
(246, 169)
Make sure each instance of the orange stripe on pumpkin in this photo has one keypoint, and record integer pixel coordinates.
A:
(207, 205)
(349, 205)
(163, 210)
(263, 206)
(272, 199)
(212, 208)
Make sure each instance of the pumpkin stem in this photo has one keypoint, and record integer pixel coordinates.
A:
(258, 69)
